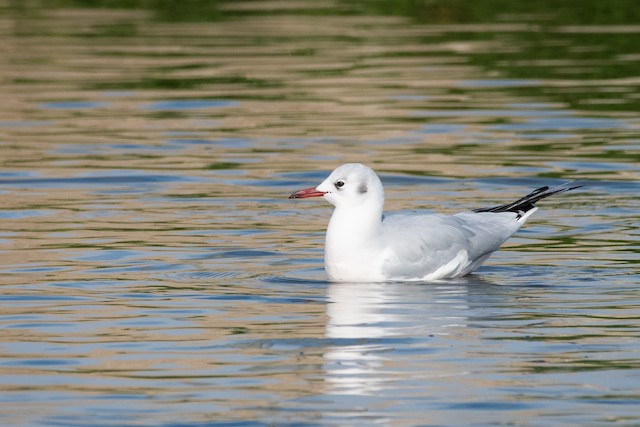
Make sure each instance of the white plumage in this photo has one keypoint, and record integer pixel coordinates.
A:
(363, 246)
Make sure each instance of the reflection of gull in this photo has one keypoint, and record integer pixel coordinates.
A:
(368, 321)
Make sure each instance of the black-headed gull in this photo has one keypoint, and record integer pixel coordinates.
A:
(364, 246)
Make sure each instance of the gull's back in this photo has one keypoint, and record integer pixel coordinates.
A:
(428, 247)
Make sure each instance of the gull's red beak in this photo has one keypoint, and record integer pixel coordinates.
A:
(307, 192)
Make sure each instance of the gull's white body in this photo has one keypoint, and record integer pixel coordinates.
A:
(362, 246)
(408, 247)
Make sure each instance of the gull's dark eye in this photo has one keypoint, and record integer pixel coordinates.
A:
(339, 184)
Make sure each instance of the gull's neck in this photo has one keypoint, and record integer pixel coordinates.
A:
(353, 233)
(351, 224)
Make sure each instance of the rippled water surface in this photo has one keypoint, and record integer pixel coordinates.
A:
(153, 271)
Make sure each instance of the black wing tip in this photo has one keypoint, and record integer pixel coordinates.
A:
(528, 202)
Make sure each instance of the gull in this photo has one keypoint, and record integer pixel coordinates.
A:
(363, 245)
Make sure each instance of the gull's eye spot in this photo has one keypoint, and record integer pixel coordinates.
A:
(339, 184)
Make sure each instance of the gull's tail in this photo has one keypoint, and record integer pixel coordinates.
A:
(527, 203)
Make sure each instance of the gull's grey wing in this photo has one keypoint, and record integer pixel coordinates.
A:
(443, 245)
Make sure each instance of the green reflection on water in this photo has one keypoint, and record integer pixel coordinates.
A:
(223, 165)
(184, 83)
(566, 41)
(549, 12)
(551, 44)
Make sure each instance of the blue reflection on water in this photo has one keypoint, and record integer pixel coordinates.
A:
(72, 105)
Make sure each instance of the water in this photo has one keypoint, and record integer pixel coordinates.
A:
(153, 271)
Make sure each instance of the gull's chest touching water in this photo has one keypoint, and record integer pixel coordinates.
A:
(353, 249)
(361, 246)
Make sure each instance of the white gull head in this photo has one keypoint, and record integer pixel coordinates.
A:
(352, 241)
(353, 186)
